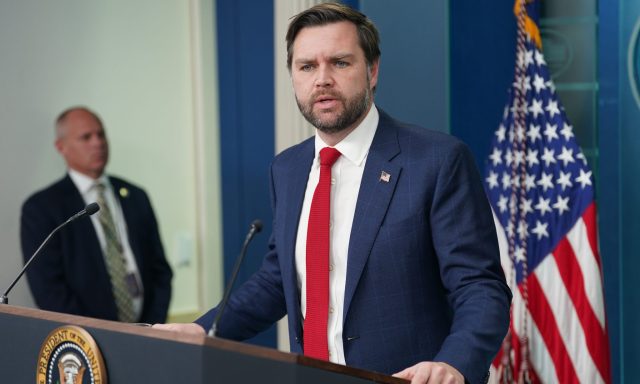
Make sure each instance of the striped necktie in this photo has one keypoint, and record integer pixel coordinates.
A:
(114, 260)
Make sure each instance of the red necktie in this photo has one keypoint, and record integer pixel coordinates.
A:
(317, 311)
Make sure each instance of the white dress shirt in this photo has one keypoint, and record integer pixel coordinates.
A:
(346, 175)
(87, 187)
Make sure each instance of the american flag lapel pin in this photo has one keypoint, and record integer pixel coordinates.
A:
(384, 176)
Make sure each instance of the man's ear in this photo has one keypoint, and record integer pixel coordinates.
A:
(373, 73)
(59, 144)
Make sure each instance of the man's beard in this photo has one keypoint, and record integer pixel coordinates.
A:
(354, 109)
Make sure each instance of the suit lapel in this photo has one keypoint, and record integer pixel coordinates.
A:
(376, 190)
(296, 185)
(74, 203)
(72, 197)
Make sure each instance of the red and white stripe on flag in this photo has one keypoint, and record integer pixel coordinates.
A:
(567, 330)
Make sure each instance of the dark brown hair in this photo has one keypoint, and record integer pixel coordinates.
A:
(329, 13)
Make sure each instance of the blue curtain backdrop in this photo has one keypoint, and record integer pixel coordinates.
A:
(608, 186)
(245, 65)
(620, 114)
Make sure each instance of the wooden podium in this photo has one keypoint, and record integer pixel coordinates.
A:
(136, 354)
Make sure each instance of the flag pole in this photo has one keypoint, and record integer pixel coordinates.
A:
(518, 175)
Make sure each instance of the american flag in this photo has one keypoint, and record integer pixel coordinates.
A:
(541, 192)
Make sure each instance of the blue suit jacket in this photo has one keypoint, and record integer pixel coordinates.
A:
(70, 274)
(424, 280)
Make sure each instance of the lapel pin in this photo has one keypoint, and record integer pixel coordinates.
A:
(124, 192)
(384, 176)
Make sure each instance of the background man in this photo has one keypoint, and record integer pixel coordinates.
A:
(110, 267)
(399, 270)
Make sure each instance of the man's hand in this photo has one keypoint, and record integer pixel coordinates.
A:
(190, 328)
(432, 373)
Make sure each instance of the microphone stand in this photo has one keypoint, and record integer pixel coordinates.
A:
(256, 226)
(89, 210)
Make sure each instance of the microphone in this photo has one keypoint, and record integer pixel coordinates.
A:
(87, 211)
(256, 226)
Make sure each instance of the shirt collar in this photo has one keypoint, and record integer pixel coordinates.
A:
(355, 146)
(84, 183)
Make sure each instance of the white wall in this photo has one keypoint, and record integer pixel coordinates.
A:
(147, 68)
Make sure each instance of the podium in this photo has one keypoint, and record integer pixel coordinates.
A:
(136, 354)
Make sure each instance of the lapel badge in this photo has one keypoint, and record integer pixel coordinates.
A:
(384, 176)
(124, 192)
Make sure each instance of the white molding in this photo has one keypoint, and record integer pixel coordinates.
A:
(206, 150)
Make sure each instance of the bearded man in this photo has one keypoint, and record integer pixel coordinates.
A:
(384, 253)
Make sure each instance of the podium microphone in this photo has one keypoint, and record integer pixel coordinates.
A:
(256, 226)
(87, 211)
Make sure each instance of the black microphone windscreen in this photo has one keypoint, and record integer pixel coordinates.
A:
(92, 208)
(257, 225)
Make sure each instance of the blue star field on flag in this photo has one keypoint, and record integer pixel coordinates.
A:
(558, 180)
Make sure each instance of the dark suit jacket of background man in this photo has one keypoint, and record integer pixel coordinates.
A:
(70, 275)
(424, 280)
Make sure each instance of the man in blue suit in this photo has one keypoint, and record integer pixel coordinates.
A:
(415, 285)
(75, 272)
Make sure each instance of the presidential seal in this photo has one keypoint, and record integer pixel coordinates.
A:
(69, 355)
